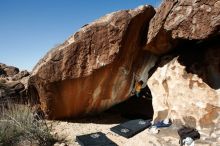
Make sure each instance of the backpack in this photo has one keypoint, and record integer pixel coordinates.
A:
(185, 132)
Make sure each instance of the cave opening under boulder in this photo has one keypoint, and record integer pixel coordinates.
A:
(200, 57)
(135, 107)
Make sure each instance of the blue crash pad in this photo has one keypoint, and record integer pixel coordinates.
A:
(160, 124)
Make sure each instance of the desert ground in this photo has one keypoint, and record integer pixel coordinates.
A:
(103, 122)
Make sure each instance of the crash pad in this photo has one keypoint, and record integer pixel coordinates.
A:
(131, 128)
(94, 139)
(161, 124)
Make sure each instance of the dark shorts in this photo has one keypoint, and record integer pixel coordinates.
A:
(138, 94)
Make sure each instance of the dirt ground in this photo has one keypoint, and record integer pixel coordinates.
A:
(102, 123)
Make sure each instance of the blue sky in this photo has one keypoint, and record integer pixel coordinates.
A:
(29, 28)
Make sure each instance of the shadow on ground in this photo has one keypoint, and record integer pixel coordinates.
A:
(133, 108)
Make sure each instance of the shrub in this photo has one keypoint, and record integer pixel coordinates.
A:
(18, 124)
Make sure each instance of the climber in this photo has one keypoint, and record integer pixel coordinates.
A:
(138, 87)
(140, 91)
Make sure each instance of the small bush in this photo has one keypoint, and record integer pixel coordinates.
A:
(18, 124)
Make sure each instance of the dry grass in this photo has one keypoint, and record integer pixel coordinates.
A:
(19, 124)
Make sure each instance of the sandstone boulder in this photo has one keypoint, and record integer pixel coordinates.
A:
(13, 84)
(2, 80)
(11, 71)
(2, 72)
(186, 87)
(20, 75)
(96, 67)
(178, 20)
(2, 65)
(12, 91)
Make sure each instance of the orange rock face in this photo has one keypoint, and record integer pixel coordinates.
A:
(96, 67)
(179, 20)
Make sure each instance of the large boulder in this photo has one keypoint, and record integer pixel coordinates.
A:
(179, 20)
(186, 87)
(96, 67)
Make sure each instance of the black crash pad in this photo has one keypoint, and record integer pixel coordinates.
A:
(131, 128)
(94, 139)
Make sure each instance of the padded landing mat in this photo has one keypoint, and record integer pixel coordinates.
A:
(94, 139)
(160, 124)
(131, 128)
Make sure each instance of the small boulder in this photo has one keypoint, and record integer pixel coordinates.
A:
(2, 72)
(2, 66)
(11, 71)
(19, 87)
(20, 75)
(13, 84)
